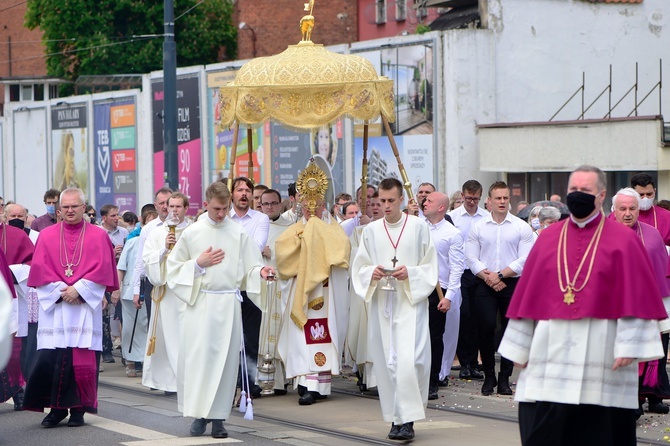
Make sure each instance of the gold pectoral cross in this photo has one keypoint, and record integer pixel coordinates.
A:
(68, 272)
(569, 296)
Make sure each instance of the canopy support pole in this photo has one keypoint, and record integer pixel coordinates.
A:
(250, 151)
(403, 173)
(363, 200)
(233, 155)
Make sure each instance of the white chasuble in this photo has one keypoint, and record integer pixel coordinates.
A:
(317, 347)
(209, 349)
(398, 337)
(160, 368)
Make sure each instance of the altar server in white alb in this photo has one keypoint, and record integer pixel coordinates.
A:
(212, 261)
(162, 352)
(398, 338)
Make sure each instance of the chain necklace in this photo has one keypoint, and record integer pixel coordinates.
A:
(62, 251)
(397, 242)
(570, 288)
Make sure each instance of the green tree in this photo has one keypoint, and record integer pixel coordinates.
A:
(89, 37)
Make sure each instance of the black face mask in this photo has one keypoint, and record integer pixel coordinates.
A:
(581, 204)
(16, 222)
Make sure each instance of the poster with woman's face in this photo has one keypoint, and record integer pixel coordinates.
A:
(70, 159)
(68, 142)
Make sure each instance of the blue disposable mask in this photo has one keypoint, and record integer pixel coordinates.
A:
(51, 209)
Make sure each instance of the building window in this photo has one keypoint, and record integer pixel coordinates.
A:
(39, 92)
(400, 10)
(14, 93)
(380, 11)
(26, 92)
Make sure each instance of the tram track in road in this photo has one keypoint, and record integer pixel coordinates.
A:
(354, 437)
(333, 433)
(491, 416)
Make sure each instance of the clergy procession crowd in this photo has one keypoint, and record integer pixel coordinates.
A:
(257, 295)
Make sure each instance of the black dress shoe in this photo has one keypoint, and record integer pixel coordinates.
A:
(476, 374)
(489, 384)
(76, 418)
(108, 358)
(256, 391)
(406, 432)
(503, 385)
(280, 392)
(659, 407)
(465, 373)
(432, 393)
(198, 427)
(307, 399)
(18, 400)
(301, 390)
(444, 382)
(54, 417)
(218, 431)
(393, 433)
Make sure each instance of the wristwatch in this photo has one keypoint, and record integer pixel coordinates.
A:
(500, 276)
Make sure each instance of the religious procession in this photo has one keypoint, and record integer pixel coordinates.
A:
(321, 313)
(261, 296)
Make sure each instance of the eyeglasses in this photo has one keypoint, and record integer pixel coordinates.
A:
(91, 215)
(67, 208)
(472, 199)
(272, 203)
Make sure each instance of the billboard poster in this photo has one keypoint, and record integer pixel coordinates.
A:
(189, 141)
(412, 70)
(69, 147)
(115, 140)
(416, 153)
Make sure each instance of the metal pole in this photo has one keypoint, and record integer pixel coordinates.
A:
(233, 156)
(250, 152)
(170, 98)
(364, 171)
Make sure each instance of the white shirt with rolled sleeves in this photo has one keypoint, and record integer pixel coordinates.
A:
(495, 246)
(256, 224)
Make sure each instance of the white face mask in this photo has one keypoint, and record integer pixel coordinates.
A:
(535, 223)
(646, 203)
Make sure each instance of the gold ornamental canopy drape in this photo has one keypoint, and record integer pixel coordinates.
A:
(306, 87)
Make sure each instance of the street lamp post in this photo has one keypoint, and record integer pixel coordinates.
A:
(243, 25)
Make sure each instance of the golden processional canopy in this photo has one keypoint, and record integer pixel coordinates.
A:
(306, 87)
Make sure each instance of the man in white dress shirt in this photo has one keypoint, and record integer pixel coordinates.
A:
(496, 252)
(464, 217)
(257, 226)
(444, 307)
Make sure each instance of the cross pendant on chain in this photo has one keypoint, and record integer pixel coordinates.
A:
(394, 260)
(68, 272)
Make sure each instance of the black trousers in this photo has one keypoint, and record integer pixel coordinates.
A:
(436, 321)
(467, 346)
(251, 328)
(29, 350)
(555, 424)
(489, 305)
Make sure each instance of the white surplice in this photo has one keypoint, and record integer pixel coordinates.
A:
(272, 315)
(63, 325)
(5, 318)
(160, 368)
(398, 338)
(571, 362)
(209, 350)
